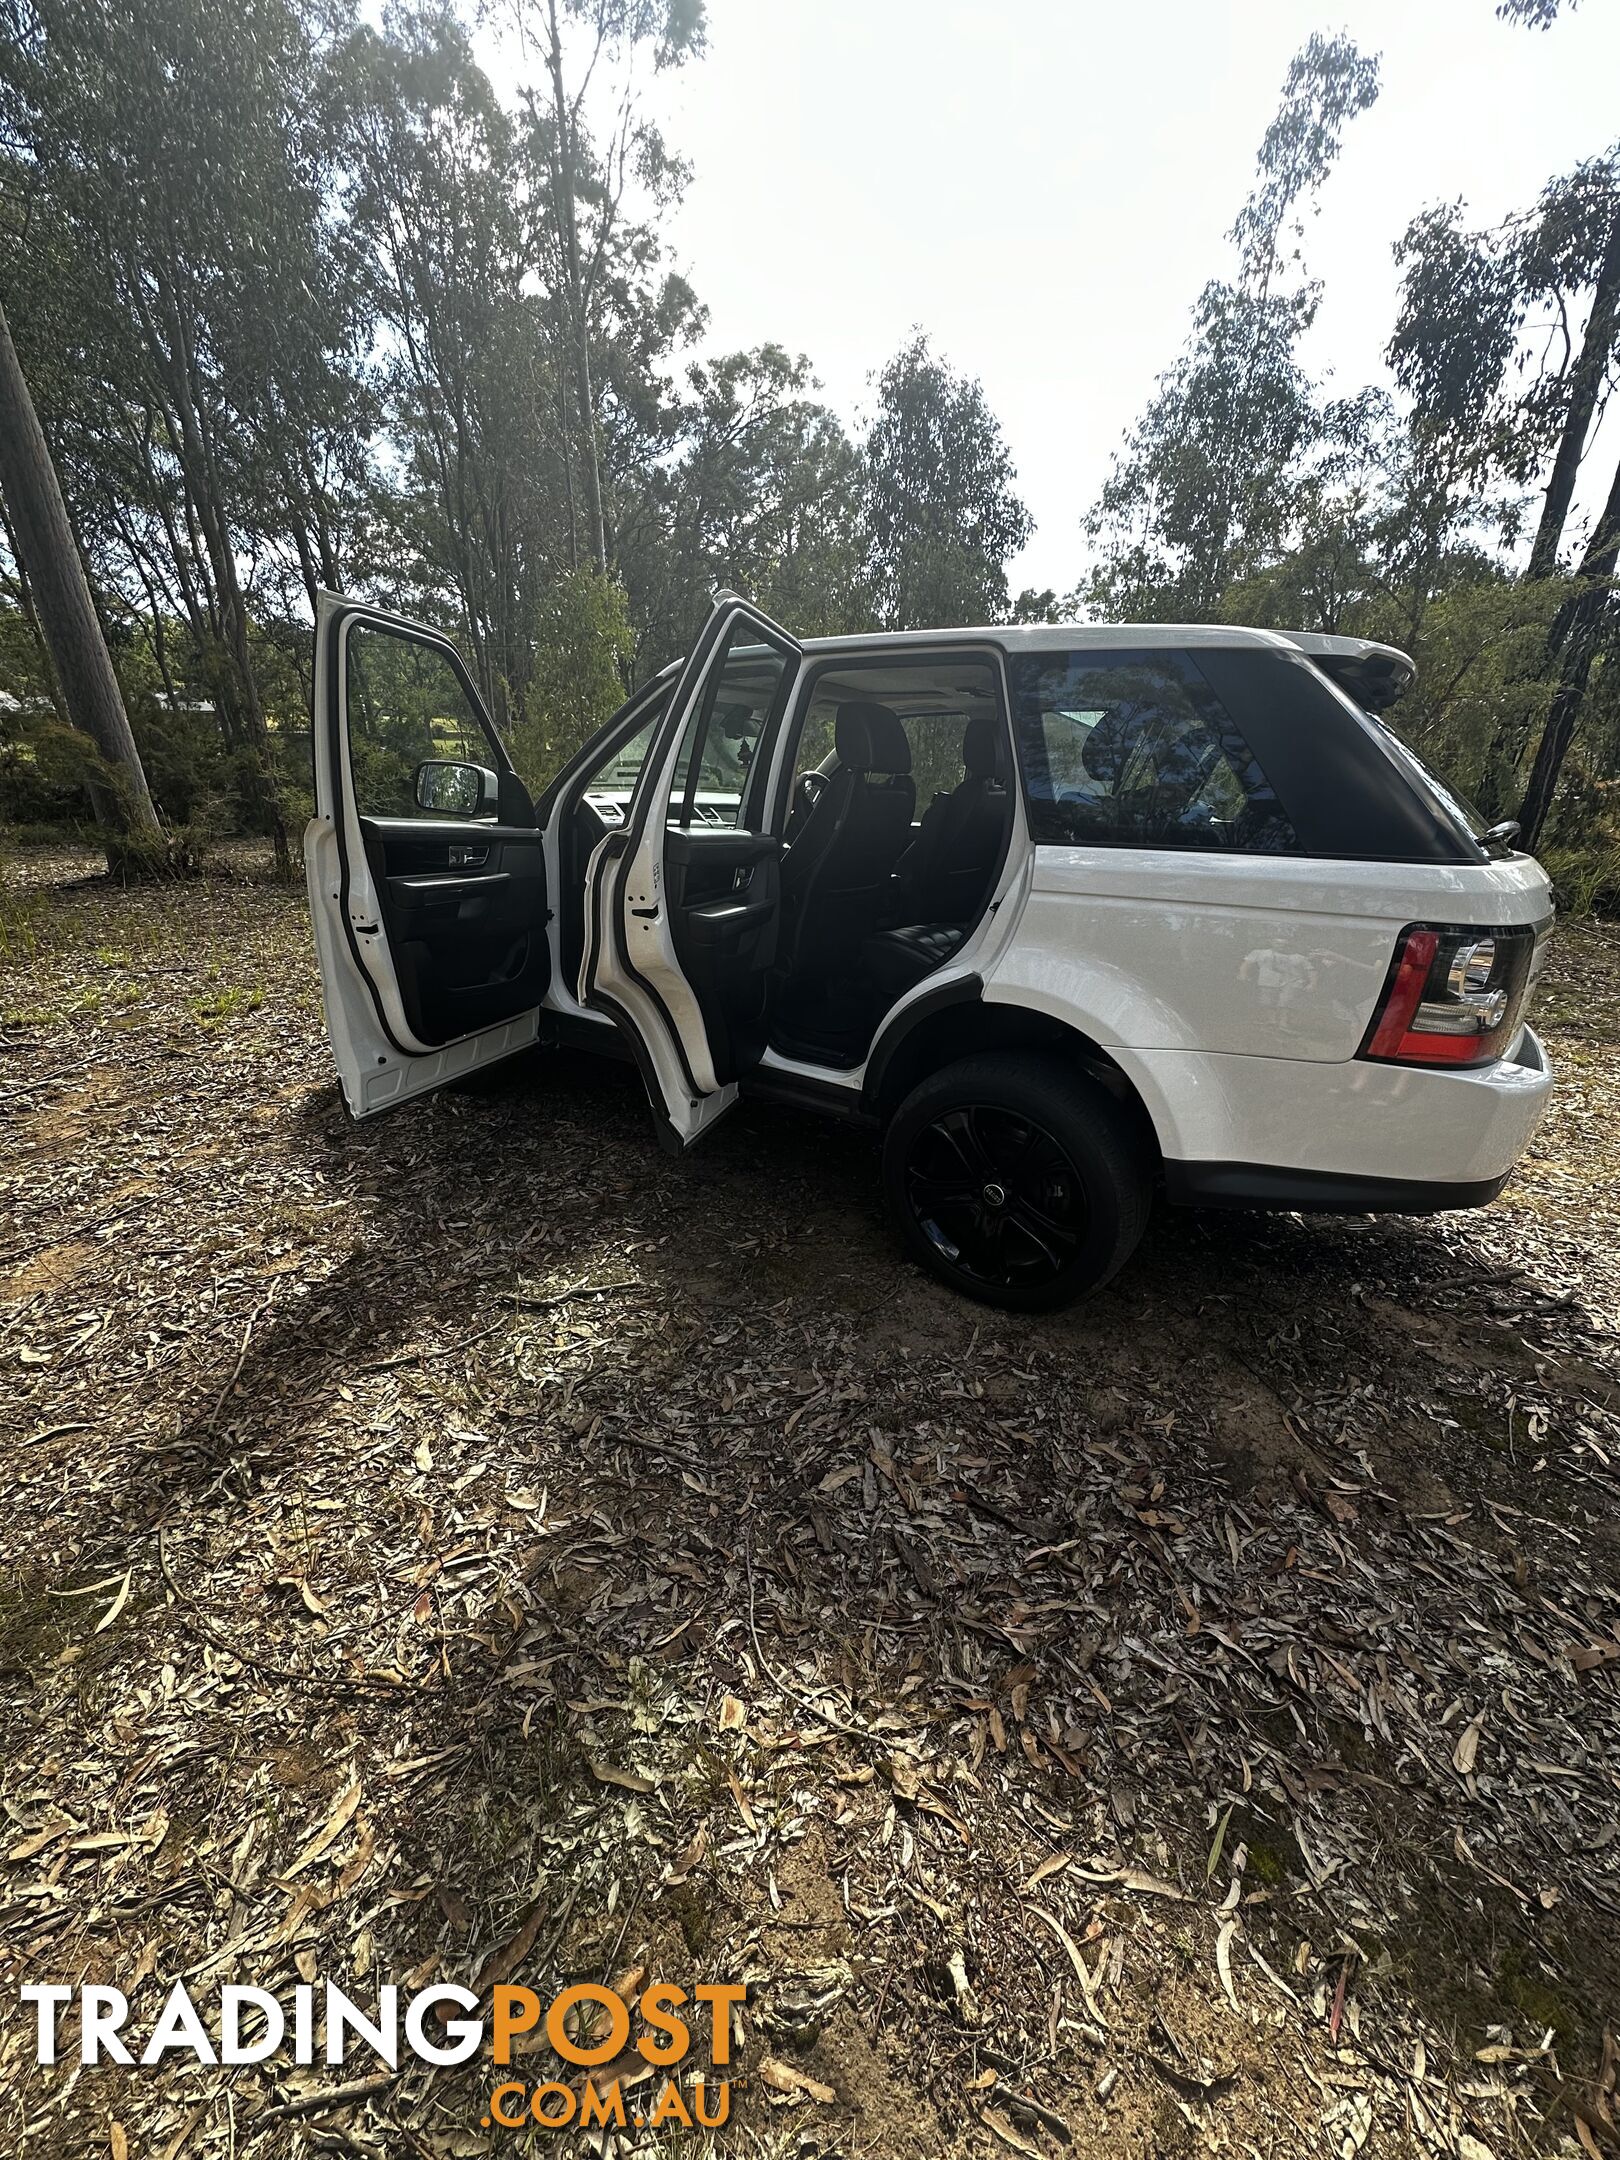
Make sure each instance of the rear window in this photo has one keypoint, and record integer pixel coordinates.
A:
(1448, 799)
(1134, 749)
(1348, 791)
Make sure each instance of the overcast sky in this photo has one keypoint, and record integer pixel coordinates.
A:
(1044, 185)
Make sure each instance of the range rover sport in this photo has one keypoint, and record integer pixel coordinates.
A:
(1068, 914)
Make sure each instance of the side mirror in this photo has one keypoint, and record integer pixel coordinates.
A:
(446, 789)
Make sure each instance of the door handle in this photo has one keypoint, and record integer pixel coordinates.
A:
(723, 922)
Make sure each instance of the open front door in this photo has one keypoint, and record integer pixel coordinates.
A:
(682, 903)
(427, 880)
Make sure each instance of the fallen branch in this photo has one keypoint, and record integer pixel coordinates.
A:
(334, 2096)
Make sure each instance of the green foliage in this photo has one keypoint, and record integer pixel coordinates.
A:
(583, 644)
(308, 304)
(941, 509)
(1480, 404)
(305, 301)
(179, 851)
(1244, 495)
(758, 490)
(1480, 693)
(1585, 875)
(1216, 477)
(219, 1005)
(438, 197)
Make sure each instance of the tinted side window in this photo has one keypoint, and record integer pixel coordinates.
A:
(1133, 749)
(1347, 796)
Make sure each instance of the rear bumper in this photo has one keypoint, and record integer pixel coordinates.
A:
(1318, 1192)
(1350, 1137)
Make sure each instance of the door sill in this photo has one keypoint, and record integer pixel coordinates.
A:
(803, 1053)
(828, 1094)
(584, 1031)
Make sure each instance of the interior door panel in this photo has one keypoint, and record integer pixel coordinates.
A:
(464, 910)
(430, 928)
(722, 888)
(682, 900)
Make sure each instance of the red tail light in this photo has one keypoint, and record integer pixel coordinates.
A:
(1455, 996)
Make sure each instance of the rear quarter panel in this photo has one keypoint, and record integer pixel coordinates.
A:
(1257, 956)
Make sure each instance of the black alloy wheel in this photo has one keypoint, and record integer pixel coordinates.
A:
(1017, 1178)
(996, 1197)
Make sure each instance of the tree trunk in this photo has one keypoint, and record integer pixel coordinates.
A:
(67, 615)
(1576, 637)
(1586, 386)
(579, 326)
(25, 601)
(206, 495)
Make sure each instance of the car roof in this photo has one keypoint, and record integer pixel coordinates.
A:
(1374, 675)
(1138, 636)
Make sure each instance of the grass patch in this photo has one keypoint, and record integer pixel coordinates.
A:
(221, 1005)
(33, 1626)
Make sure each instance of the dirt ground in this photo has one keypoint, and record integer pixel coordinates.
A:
(471, 1546)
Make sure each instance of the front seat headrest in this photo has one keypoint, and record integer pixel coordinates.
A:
(1108, 747)
(869, 738)
(981, 747)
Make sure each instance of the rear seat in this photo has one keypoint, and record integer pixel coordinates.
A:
(894, 960)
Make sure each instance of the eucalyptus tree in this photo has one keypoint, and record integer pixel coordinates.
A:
(1507, 341)
(939, 497)
(1588, 625)
(48, 558)
(755, 485)
(1210, 481)
(171, 162)
(1507, 345)
(1574, 248)
(436, 190)
(583, 646)
(590, 55)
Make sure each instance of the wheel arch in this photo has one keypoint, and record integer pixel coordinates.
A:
(950, 1027)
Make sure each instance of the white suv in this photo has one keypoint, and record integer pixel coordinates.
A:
(1067, 913)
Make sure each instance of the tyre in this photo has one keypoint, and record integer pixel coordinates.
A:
(1017, 1180)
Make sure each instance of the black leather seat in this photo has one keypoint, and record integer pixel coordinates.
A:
(945, 874)
(895, 959)
(944, 878)
(841, 861)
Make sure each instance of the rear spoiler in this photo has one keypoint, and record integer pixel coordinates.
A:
(1374, 675)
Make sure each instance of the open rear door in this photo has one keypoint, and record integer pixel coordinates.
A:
(427, 880)
(682, 902)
